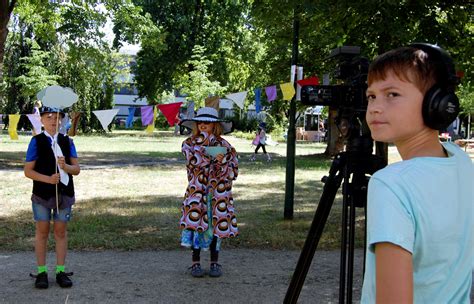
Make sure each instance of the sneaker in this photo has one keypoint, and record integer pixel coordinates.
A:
(41, 280)
(215, 271)
(62, 278)
(196, 270)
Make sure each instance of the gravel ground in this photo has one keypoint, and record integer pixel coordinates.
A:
(250, 276)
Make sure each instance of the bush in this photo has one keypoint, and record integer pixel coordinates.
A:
(244, 124)
(250, 125)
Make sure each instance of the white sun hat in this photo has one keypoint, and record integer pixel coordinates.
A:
(207, 114)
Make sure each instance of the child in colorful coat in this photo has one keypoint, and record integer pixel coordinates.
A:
(208, 208)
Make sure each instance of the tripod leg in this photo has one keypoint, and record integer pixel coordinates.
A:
(350, 256)
(344, 221)
(317, 226)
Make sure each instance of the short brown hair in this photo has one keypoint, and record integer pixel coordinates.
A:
(217, 129)
(408, 64)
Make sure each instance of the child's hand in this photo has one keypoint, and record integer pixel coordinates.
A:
(220, 157)
(61, 162)
(54, 179)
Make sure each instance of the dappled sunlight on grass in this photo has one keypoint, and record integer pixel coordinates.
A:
(131, 186)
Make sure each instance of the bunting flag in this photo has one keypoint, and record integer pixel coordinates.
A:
(190, 110)
(35, 120)
(257, 92)
(131, 114)
(238, 98)
(171, 111)
(288, 90)
(212, 102)
(271, 92)
(12, 125)
(61, 97)
(75, 117)
(147, 115)
(151, 126)
(308, 81)
(105, 117)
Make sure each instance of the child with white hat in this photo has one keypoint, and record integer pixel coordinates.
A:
(208, 208)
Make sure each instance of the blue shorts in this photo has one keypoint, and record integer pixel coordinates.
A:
(41, 213)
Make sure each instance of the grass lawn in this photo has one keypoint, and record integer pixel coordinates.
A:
(131, 186)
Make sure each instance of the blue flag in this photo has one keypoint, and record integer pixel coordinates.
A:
(131, 113)
(258, 92)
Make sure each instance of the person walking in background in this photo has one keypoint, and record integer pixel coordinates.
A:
(46, 151)
(176, 125)
(36, 125)
(419, 211)
(260, 140)
(36, 108)
(208, 214)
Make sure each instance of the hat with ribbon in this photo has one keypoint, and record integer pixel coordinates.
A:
(207, 114)
(46, 110)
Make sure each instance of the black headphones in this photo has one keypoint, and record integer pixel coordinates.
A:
(440, 104)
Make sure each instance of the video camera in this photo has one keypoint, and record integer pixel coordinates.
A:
(352, 71)
(349, 97)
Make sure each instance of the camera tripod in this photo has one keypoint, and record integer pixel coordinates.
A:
(357, 163)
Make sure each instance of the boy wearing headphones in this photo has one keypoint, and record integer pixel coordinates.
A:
(419, 210)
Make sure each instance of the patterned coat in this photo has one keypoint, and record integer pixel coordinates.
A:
(206, 173)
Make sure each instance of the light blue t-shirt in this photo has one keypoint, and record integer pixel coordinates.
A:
(424, 205)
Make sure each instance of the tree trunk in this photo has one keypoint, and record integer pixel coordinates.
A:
(3, 35)
(335, 140)
(6, 8)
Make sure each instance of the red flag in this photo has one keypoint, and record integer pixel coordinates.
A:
(309, 81)
(170, 111)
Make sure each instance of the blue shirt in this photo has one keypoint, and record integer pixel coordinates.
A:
(424, 205)
(32, 152)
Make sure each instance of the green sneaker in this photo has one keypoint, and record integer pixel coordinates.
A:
(215, 271)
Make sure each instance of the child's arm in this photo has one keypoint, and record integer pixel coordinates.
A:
(72, 169)
(220, 157)
(394, 274)
(30, 172)
(195, 156)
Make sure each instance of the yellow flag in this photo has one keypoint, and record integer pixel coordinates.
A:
(150, 128)
(12, 124)
(288, 90)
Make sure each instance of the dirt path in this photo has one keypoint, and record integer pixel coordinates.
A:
(251, 276)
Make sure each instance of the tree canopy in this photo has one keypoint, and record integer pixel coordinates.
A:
(204, 47)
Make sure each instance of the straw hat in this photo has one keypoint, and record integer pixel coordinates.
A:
(207, 114)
